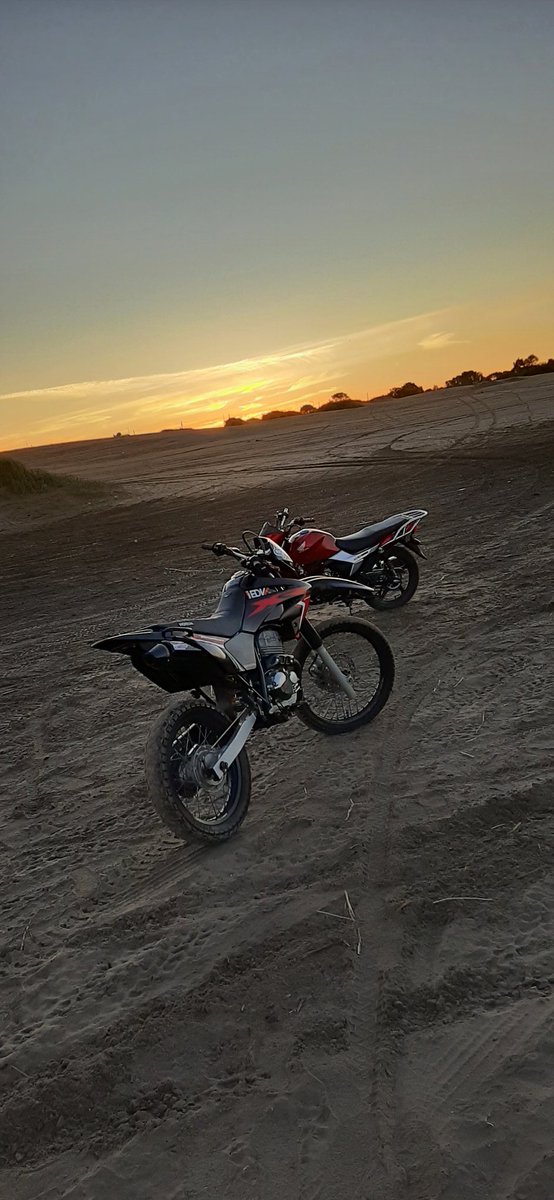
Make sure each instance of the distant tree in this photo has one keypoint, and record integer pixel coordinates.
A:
(307, 408)
(466, 379)
(276, 413)
(338, 401)
(118, 435)
(522, 364)
(231, 421)
(407, 389)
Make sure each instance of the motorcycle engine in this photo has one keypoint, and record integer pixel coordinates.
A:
(280, 671)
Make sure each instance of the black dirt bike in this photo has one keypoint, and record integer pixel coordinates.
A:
(337, 678)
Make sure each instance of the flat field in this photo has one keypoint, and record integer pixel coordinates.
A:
(180, 1022)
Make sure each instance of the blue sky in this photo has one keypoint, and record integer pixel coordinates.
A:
(189, 186)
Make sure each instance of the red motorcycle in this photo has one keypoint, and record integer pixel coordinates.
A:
(380, 556)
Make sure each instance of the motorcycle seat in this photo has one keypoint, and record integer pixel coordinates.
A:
(225, 621)
(218, 625)
(354, 543)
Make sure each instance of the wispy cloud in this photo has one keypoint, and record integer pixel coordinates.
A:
(98, 407)
(439, 341)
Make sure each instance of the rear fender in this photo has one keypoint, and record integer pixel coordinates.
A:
(412, 543)
(160, 643)
(141, 641)
(174, 664)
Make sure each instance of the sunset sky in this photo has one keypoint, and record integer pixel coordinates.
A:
(215, 207)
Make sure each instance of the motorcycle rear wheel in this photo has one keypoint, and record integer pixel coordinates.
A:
(370, 666)
(406, 565)
(178, 752)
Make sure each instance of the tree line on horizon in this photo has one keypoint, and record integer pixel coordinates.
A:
(341, 400)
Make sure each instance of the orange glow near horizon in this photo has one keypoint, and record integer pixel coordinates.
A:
(427, 348)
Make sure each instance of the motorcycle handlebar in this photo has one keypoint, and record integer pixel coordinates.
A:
(285, 526)
(220, 550)
(281, 518)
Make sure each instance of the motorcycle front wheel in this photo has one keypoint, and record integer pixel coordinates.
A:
(402, 577)
(364, 656)
(188, 800)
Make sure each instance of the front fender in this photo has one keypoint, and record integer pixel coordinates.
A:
(328, 589)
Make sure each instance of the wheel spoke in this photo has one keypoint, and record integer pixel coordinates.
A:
(207, 799)
(359, 662)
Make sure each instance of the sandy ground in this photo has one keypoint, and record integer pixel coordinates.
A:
(180, 1022)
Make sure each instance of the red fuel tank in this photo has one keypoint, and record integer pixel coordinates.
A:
(310, 546)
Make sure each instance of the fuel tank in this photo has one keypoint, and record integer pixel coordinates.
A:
(310, 546)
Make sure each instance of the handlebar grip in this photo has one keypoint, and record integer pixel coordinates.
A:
(206, 545)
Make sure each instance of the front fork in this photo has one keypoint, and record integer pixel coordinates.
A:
(311, 636)
(245, 722)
